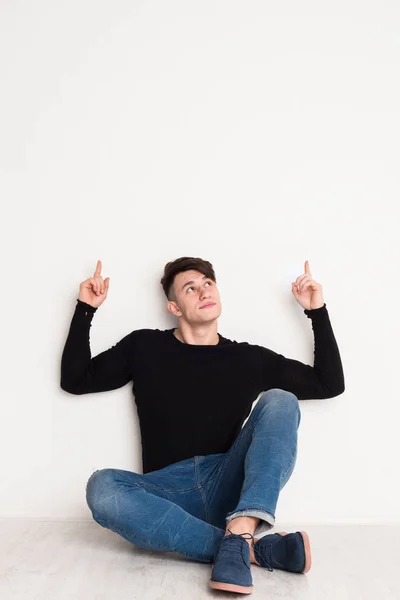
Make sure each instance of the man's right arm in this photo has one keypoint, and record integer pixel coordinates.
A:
(82, 374)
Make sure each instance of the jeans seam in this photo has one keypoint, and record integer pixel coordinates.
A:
(260, 508)
(291, 466)
(229, 453)
(200, 488)
(157, 487)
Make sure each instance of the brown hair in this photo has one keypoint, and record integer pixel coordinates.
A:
(185, 263)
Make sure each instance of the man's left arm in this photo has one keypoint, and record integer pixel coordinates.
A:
(326, 378)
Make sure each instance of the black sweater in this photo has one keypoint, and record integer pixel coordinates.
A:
(192, 400)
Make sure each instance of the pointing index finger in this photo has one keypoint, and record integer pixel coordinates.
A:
(98, 269)
(307, 266)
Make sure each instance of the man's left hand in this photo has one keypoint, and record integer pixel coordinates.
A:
(307, 292)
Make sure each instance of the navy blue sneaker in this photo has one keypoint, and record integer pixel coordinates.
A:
(231, 568)
(287, 551)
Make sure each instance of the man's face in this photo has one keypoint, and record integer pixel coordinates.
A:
(194, 290)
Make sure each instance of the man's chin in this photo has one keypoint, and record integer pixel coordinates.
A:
(210, 318)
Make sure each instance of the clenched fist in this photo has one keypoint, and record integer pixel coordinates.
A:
(94, 290)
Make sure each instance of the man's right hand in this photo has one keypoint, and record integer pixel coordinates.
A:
(94, 290)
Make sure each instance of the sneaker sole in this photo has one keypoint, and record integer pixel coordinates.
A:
(307, 549)
(231, 587)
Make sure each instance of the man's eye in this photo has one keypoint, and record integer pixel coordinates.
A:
(190, 288)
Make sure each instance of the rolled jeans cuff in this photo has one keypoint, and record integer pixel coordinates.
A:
(267, 521)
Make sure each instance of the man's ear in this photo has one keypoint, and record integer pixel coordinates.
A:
(173, 308)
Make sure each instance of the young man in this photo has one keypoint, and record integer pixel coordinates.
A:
(210, 485)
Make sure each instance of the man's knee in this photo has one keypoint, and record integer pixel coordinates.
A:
(279, 399)
(101, 484)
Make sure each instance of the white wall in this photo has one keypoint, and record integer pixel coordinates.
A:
(254, 134)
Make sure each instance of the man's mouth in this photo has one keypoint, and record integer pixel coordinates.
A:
(208, 305)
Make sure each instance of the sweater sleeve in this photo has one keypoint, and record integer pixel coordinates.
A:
(324, 380)
(82, 374)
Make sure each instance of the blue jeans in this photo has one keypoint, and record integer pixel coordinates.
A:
(186, 506)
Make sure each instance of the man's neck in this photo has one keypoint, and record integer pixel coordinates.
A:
(200, 342)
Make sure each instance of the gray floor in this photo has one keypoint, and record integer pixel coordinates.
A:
(43, 560)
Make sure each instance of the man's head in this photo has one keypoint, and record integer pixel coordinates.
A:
(190, 283)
